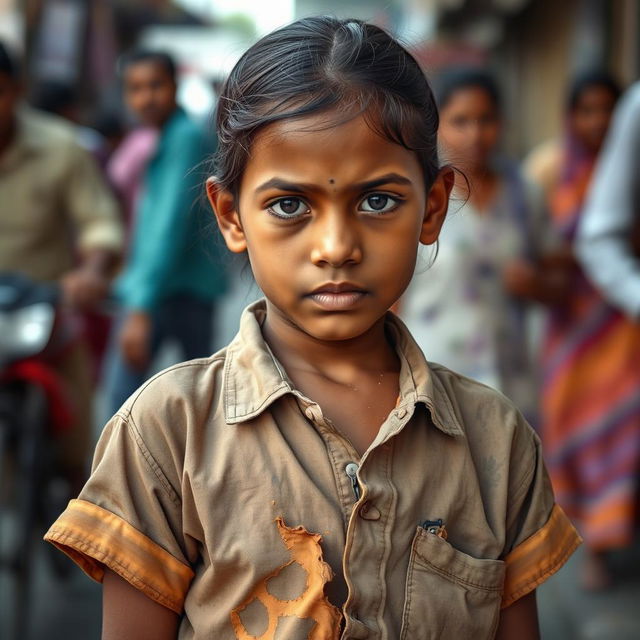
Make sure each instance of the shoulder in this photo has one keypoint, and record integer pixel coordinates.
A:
(490, 421)
(181, 128)
(48, 131)
(466, 392)
(176, 403)
(631, 98)
(625, 128)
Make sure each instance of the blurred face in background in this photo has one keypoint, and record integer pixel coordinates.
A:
(590, 117)
(9, 94)
(149, 92)
(469, 128)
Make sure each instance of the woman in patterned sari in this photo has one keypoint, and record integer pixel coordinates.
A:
(591, 375)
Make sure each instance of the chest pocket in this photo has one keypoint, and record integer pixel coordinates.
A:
(449, 594)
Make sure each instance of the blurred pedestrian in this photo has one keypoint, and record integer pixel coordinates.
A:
(608, 240)
(460, 308)
(592, 371)
(171, 279)
(58, 223)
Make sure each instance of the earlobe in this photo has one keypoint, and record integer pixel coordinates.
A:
(225, 209)
(437, 205)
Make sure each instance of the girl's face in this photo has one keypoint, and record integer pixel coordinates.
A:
(331, 217)
(469, 127)
(589, 119)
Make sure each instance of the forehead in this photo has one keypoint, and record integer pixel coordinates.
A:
(324, 147)
(469, 97)
(145, 70)
(594, 93)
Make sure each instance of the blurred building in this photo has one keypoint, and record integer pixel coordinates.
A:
(535, 47)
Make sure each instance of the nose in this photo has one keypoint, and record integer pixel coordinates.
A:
(336, 240)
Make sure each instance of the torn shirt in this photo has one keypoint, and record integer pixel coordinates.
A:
(225, 494)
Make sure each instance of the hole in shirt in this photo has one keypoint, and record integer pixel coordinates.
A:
(297, 598)
(290, 583)
(254, 618)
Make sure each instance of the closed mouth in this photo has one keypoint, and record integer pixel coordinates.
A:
(337, 287)
(337, 296)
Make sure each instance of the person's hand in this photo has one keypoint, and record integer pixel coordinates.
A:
(83, 288)
(135, 340)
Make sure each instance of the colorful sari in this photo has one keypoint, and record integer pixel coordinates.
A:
(591, 391)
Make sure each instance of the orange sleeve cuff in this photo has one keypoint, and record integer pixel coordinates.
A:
(539, 557)
(94, 538)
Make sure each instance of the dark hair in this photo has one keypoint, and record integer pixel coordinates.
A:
(161, 58)
(53, 96)
(454, 79)
(589, 79)
(317, 64)
(8, 64)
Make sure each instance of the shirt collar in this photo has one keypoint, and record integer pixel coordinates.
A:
(254, 379)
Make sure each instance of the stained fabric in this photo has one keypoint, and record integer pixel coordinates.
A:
(228, 471)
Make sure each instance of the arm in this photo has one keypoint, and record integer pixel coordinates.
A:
(97, 230)
(520, 620)
(603, 242)
(128, 614)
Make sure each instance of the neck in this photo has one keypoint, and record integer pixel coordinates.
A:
(341, 361)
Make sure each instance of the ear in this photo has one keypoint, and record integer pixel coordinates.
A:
(224, 207)
(436, 206)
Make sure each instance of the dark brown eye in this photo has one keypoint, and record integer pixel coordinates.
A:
(288, 207)
(378, 203)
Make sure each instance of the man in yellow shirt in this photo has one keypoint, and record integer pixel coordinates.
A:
(58, 223)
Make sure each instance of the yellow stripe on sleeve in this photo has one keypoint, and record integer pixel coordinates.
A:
(539, 556)
(94, 537)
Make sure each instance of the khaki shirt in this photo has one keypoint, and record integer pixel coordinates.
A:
(53, 200)
(223, 493)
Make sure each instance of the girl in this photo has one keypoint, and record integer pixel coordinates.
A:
(317, 478)
(462, 311)
(590, 408)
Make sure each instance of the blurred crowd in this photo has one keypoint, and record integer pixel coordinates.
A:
(533, 287)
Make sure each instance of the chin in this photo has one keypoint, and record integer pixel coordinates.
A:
(338, 329)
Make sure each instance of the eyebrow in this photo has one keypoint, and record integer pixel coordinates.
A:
(294, 187)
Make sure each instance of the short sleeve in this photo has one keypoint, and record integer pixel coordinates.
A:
(539, 536)
(128, 518)
(91, 205)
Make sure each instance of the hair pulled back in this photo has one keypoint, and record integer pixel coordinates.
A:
(319, 64)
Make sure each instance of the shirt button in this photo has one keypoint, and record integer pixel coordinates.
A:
(369, 512)
(309, 413)
(402, 413)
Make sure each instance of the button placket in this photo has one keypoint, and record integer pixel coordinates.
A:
(365, 550)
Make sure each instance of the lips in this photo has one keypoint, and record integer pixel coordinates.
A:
(336, 296)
